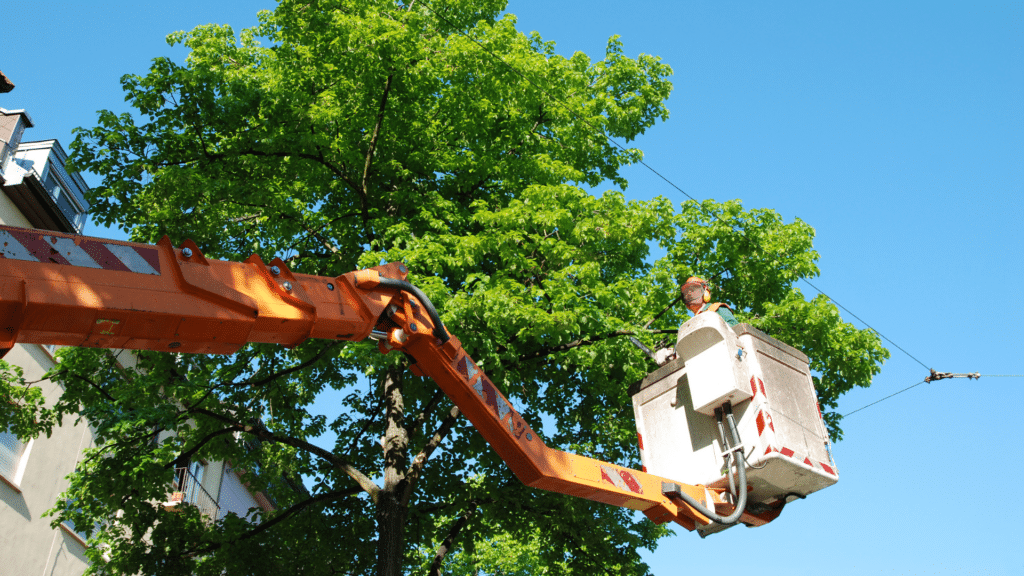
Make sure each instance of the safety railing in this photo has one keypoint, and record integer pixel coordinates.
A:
(186, 489)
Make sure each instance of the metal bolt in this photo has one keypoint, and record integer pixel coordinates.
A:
(528, 436)
(413, 327)
(330, 286)
(275, 270)
(288, 286)
(173, 345)
(186, 252)
(402, 268)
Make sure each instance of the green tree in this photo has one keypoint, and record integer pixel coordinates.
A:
(337, 134)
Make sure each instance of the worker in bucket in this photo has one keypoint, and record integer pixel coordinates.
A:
(697, 297)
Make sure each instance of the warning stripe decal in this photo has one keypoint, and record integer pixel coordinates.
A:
(755, 383)
(33, 246)
(792, 454)
(621, 479)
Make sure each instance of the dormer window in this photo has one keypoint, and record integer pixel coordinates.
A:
(48, 196)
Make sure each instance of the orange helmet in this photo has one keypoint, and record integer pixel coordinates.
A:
(695, 290)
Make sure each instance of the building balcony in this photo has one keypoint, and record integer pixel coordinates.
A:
(188, 489)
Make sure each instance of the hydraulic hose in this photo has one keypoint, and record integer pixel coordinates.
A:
(741, 500)
(439, 331)
(730, 456)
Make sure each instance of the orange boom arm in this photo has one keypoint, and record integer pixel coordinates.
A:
(78, 291)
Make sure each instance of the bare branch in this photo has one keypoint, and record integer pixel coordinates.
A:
(414, 426)
(277, 519)
(316, 358)
(337, 461)
(446, 544)
(365, 189)
(547, 351)
(420, 461)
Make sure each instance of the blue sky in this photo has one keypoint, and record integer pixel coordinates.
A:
(895, 129)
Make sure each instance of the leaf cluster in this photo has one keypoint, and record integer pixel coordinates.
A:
(337, 134)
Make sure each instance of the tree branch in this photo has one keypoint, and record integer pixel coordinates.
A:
(373, 148)
(413, 474)
(414, 426)
(306, 364)
(90, 383)
(338, 462)
(291, 511)
(184, 457)
(570, 345)
(446, 544)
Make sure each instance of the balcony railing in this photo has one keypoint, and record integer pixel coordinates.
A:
(188, 490)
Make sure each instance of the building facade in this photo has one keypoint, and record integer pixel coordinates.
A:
(38, 192)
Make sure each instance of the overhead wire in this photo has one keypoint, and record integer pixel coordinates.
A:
(884, 399)
(974, 376)
(742, 233)
(850, 312)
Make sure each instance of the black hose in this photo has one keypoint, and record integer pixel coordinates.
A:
(741, 501)
(439, 332)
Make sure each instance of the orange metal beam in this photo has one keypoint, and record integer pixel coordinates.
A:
(79, 291)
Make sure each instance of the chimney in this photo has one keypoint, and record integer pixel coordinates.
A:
(5, 83)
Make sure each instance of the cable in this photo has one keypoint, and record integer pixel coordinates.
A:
(567, 108)
(674, 491)
(439, 330)
(932, 378)
(865, 323)
(883, 399)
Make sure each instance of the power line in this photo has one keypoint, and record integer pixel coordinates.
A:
(884, 399)
(569, 109)
(937, 376)
(925, 366)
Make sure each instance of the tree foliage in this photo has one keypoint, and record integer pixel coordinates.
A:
(338, 134)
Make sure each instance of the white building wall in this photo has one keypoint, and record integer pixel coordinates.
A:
(28, 544)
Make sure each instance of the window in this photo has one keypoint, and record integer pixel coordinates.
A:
(13, 453)
(53, 181)
(71, 528)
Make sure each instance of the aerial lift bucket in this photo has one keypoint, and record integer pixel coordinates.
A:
(785, 444)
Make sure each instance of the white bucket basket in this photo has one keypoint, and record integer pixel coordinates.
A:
(785, 442)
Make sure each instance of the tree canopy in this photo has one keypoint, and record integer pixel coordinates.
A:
(340, 134)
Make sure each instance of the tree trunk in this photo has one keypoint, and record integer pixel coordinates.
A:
(390, 534)
(391, 513)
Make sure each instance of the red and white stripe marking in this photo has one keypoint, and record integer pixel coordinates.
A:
(621, 479)
(788, 453)
(34, 246)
